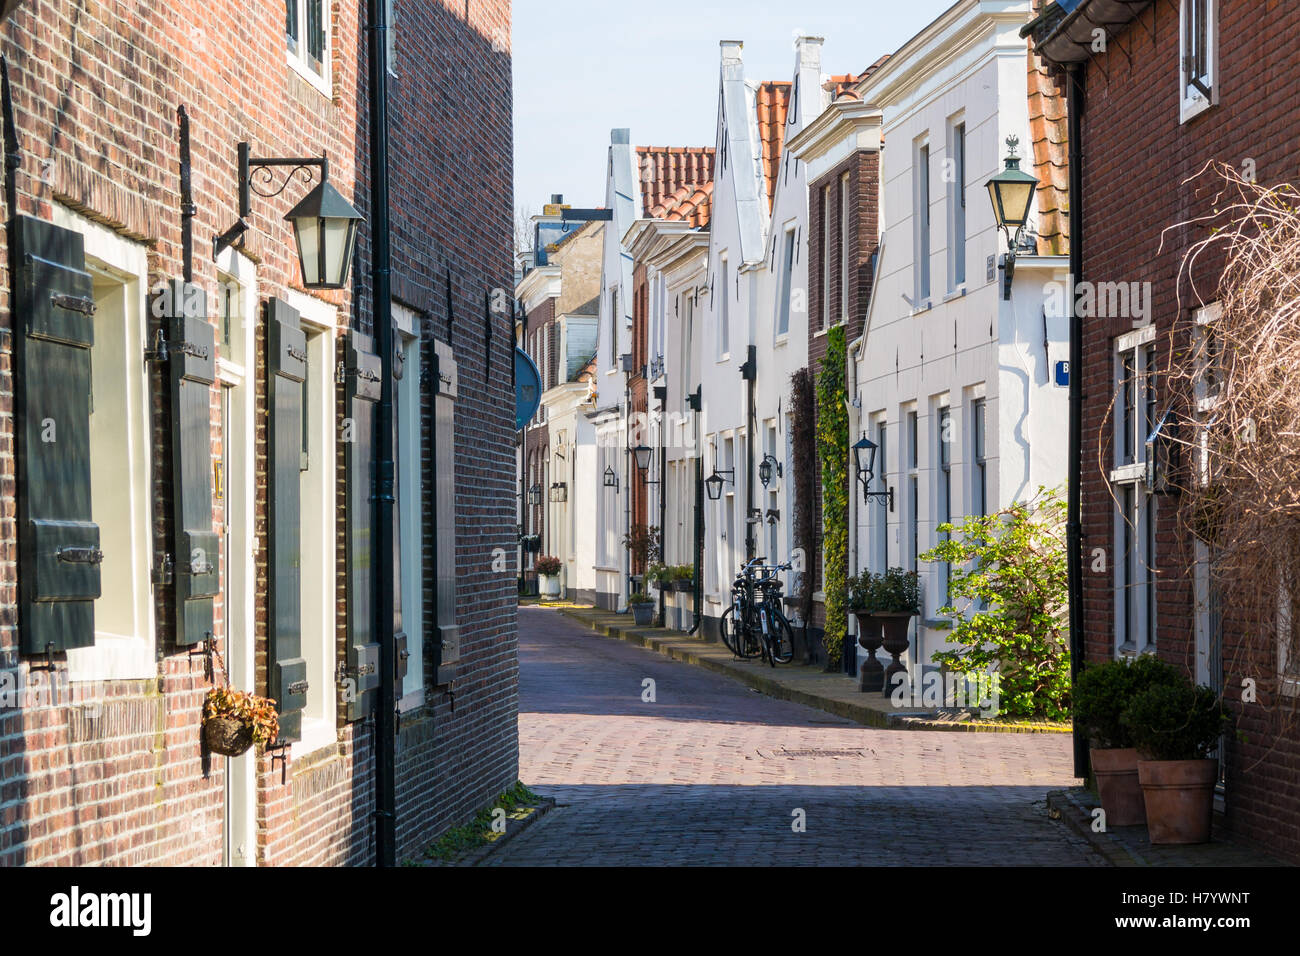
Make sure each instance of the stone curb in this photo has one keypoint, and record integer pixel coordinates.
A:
(669, 643)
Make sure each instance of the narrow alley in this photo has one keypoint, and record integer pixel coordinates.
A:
(712, 772)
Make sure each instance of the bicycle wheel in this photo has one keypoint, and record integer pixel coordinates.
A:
(747, 639)
(781, 638)
(727, 629)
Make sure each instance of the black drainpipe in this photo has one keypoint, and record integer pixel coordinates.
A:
(1073, 525)
(749, 371)
(382, 534)
(661, 394)
(696, 402)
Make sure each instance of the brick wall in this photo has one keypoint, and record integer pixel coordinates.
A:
(1136, 158)
(863, 169)
(96, 90)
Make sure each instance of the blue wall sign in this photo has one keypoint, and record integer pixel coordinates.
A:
(1063, 374)
(528, 388)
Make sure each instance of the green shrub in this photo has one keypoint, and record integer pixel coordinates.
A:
(1175, 721)
(1102, 691)
(1011, 568)
(833, 454)
(640, 597)
(548, 564)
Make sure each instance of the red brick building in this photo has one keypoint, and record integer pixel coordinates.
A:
(210, 478)
(1174, 86)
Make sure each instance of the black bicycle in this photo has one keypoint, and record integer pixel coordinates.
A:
(754, 625)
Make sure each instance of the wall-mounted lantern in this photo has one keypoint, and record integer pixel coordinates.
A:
(864, 453)
(611, 479)
(535, 495)
(766, 467)
(1012, 193)
(324, 223)
(560, 491)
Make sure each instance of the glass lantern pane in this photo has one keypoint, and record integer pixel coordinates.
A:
(307, 230)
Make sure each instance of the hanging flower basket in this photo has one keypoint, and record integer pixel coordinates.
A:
(234, 720)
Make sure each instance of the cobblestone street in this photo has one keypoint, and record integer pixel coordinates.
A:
(711, 772)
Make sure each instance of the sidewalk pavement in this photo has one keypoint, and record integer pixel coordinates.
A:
(1130, 846)
(834, 693)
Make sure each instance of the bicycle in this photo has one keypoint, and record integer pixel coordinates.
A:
(762, 629)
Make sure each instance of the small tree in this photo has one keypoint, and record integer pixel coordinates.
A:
(1010, 569)
(642, 542)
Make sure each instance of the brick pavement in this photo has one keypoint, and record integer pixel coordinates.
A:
(712, 772)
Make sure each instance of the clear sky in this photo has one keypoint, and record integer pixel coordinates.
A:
(584, 67)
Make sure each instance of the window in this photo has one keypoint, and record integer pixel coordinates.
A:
(921, 218)
(1135, 520)
(613, 329)
(826, 258)
(1198, 49)
(773, 496)
(308, 39)
(787, 273)
(979, 463)
(956, 174)
(944, 509)
(880, 539)
(409, 504)
(913, 492)
(392, 36)
(846, 248)
(724, 313)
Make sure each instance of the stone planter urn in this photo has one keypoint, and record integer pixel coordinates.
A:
(1179, 798)
(643, 614)
(550, 585)
(894, 625)
(871, 673)
(1116, 770)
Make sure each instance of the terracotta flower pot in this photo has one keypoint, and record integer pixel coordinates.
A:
(227, 736)
(1116, 770)
(1179, 797)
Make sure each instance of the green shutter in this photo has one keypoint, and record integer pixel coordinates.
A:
(447, 645)
(362, 367)
(191, 346)
(58, 542)
(286, 371)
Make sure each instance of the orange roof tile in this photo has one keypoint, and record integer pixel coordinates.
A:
(771, 101)
(689, 204)
(1050, 143)
(667, 170)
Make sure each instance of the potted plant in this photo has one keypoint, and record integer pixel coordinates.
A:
(895, 600)
(548, 569)
(1174, 727)
(861, 602)
(1100, 694)
(532, 543)
(642, 543)
(682, 577)
(234, 720)
(643, 608)
(658, 575)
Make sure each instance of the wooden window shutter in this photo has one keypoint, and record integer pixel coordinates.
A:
(447, 645)
(362, 392)
(191, 347)
(286, 371)
(58, 542)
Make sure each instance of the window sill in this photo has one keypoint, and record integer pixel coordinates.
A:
(1191, 108)
(1126, 473)
(956, 293)
(837, 325)
(921, 309)
(317, 734)
(320, 82)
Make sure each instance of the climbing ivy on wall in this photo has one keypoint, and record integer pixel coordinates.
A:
(803, 432)
(833, 452)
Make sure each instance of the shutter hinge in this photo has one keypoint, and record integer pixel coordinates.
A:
(159, 351)
(73, 303)
(163, 573)
(340, 374)
(79, 555)
(280, 751)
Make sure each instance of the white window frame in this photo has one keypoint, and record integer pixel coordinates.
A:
(785, 288)
(1191, 100)
(923, 242)
(128, 656)
(957, 205)
(319, 514)
(846, 247)
(1135, 620)
(825, 311)
(943, 458)
(298, 59)
(411, 503)
(722, 331)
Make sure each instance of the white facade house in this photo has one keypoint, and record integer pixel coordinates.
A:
(956, 384)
